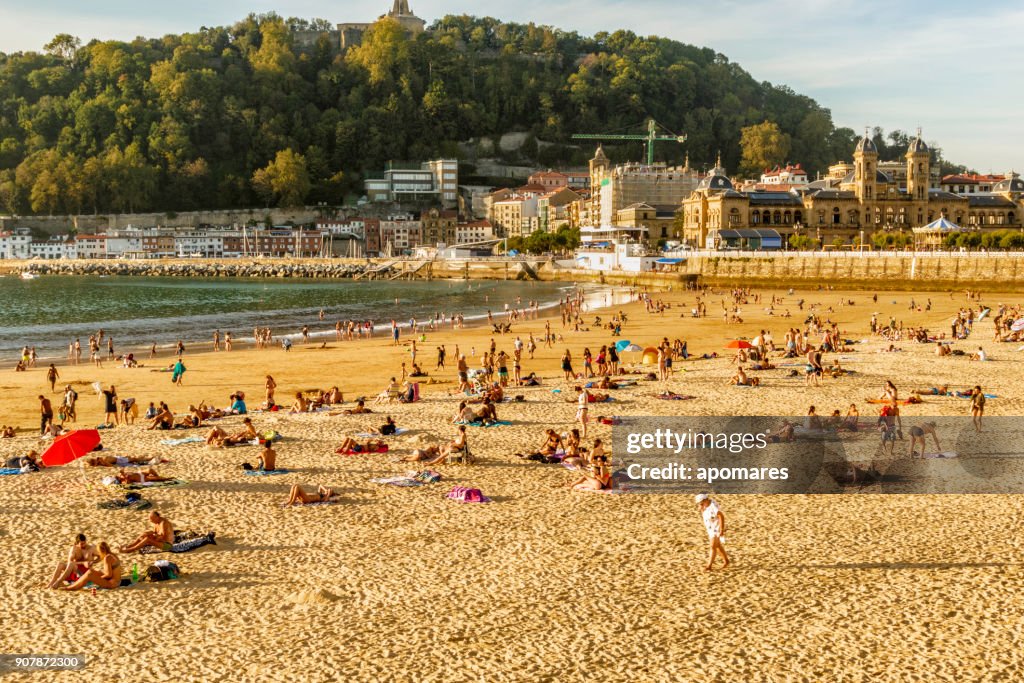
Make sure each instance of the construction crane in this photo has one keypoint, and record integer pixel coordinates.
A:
(649, 139)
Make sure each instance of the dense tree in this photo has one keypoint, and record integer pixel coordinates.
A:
(764, 146)
(285, 179)
(191, 121)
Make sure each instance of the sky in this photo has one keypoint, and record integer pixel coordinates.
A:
(951, 68)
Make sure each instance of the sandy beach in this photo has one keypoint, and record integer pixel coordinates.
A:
(543, 584)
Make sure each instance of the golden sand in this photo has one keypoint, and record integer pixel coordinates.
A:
(543, 584)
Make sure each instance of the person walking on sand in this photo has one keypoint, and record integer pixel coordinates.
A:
(179, 372)
(52, 376)
(714, 523)
(977, 407)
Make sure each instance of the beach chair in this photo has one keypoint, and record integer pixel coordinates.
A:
(461, 457)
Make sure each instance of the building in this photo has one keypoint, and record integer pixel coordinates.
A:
(438, 227)
(969, 183)
(864, 201)
(615, 248)
(556, 180)
(517, 214)
(199, 243)
(399, 233)
(350, 34)
(614, 188)
(475, 231)
(553, 209)
(56, 247)
(91, 246)
(658, 223)
(16, 244)
(436, 181)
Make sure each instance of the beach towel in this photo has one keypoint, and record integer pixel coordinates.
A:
(9, 470)
(904, 402)
(674, 397)
(611, 420)
(383, 448)
(181, 442)
(404, 481)
(372, 435)
(310, 505)
(612, 491)
(499, 423)
(136, 486)
(463, 494)
(959, 394)
(184, 542)
(265, 473)
(122, 504)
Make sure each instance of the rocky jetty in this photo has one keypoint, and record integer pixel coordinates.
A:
(209, 269)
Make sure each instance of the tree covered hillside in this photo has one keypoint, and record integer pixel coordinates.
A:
(235, 116)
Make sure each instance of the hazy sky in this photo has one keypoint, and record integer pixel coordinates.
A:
(953, 68)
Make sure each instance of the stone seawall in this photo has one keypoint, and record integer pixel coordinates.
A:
(1003, 272)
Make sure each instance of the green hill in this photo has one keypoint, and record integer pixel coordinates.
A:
(235, 116)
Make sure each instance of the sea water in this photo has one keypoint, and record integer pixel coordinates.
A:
(52, 311)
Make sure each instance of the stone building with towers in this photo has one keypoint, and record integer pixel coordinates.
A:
(614, 188)
(845, 210)
(351, 34)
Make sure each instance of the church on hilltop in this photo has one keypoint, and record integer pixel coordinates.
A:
(351, 34)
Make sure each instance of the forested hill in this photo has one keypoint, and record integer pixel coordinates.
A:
(235, 116)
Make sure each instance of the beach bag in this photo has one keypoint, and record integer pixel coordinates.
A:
(162, 571)
(463, 494)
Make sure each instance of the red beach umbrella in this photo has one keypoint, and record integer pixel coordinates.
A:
(71, 446)
(739, 344)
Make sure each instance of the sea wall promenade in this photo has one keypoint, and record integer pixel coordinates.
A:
(905, 271)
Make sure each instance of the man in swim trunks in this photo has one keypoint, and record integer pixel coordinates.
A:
(161, 537)
(80, 559)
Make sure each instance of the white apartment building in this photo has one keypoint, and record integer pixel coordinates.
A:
(16, 244)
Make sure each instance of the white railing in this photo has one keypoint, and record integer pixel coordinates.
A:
(727, 254)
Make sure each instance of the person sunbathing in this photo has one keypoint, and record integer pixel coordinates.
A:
(390, 394)
(934, 391)
(389, 428)
(417, 371)
(332, 397)
(28, 462)
(851, 422)
(741, 379)
(457, 445)
(596, 478)
(267, 461)
(426, 453)
(360, 409)
(109, 577)
(164, 418)
(140, 477)
(350, 445)
(301, 405)
(7, 432)
(465, 414)
(488, 414)
(299, 497)
(81, 557)
(220, 438)
(122, 461)
(783, 434)
(552, 444)
(161, 536)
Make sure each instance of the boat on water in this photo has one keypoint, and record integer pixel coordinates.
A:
(29, 276)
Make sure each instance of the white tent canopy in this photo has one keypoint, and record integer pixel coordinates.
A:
(942, 225)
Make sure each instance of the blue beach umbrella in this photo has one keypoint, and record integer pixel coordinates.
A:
(621, 344)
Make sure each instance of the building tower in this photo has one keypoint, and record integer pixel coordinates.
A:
(919, 160)
(865, 168)
(598, 171)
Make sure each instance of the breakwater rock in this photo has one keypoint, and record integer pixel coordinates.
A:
(245, 269)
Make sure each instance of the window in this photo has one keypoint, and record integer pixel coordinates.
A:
(836, 216)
